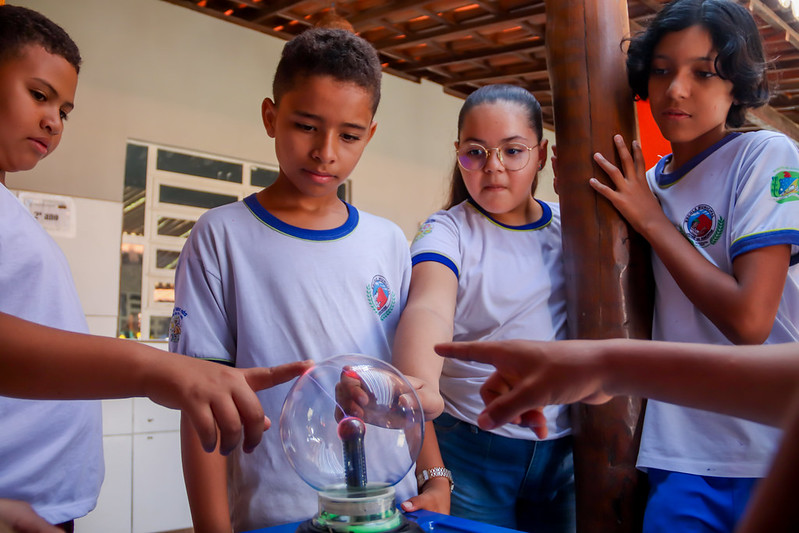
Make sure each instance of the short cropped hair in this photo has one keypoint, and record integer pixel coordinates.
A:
(328, 52)
(735, 38)
(21, 27)
(491, 94)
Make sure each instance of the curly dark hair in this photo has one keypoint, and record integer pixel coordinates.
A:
(489, 94)
(328, 52)
(21, 27)
(735, 38)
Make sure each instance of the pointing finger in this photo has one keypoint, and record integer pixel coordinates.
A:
(481, 352)
(265, 377)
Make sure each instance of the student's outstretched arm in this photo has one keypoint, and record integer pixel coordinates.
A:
(426, 320)
(38, 362)
(727, 300)
(754, 382)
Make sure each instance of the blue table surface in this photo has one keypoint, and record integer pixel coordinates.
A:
(428, 520)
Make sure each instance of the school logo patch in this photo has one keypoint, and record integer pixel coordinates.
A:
(702, 225)
(175, 324)
(424, 229)
(785, 186)
(380, 296)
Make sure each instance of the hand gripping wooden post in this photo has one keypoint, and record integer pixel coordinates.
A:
(607, 265)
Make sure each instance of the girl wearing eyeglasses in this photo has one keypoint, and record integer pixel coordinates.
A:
(489, 267)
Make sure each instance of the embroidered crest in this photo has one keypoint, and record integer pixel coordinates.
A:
(703, 226)
(785, 186)
(175, 324)
(381, 297)
(424, 229)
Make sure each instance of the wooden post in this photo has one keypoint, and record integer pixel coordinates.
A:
(607, 264)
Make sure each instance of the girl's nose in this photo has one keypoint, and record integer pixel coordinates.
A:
(679, 86)
(493, 164)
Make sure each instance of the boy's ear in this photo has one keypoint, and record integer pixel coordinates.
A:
(269, 116)
(372, 129)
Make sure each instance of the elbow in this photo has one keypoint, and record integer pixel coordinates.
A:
(750, 330)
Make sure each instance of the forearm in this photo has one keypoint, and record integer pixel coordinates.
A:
(426, 320)
(430, 455)
(45, 363)
(726, 299)
(754, 382)
(206, 483)
(418, 331)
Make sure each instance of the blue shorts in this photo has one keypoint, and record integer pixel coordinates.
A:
(693, 504)
(514, 483)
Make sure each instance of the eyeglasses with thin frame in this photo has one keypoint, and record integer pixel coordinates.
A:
(513, 156)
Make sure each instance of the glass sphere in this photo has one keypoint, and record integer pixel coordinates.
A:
(352, 422)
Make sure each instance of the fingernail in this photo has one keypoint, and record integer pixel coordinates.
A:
(407, 506)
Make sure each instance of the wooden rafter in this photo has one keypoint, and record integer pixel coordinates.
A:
(484, 22)
(463, 49)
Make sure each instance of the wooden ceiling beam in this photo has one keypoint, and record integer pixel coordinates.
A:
(249, 3)
(783, 73)
(363, 18)
(757, 7)
(235, 20)
(466, 28)
(524, 71)
(274, 8)
(769, 118)
(490, 7)
(477, 55)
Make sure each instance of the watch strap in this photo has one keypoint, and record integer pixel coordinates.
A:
(438, 471)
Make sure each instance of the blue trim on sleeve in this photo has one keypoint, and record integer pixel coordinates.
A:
(437, 258)
(748, 243)
(275, 223)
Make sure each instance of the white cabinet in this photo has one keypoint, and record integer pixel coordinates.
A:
(143, 491)
(159, 495)
(113, 511)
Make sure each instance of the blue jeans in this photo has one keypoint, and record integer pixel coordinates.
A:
(695, 504)
(514, 483)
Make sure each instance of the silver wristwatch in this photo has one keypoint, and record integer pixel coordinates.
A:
(439, 471)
